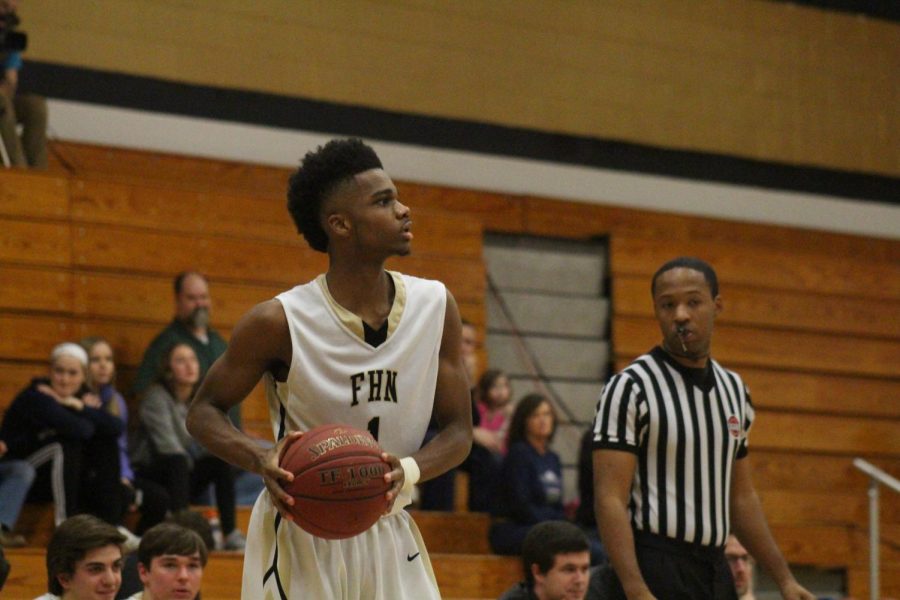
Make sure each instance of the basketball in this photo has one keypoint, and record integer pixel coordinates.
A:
(338, 488)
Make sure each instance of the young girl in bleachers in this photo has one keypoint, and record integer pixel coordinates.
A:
(166, 453)
(136, 493)
(492, 409)
(492, 401)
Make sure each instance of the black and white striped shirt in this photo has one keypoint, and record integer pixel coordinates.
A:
(687, 427)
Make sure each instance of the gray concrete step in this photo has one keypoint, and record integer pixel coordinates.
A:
(559, 358)
(561, 271)
(555, 315)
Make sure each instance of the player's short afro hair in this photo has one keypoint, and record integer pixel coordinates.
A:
(320, 172)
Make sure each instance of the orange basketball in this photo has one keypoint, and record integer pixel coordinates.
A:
(338, 488)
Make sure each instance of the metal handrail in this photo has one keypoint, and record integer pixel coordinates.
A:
(876, 477)
(876, 473)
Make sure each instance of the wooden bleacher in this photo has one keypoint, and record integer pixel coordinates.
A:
(810, 318)
(457, 544)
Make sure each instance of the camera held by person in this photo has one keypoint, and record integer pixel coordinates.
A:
(10, 39)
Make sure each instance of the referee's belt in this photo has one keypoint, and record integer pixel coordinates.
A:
(680, 547)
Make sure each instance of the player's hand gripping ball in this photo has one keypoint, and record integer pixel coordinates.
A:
(339, 487)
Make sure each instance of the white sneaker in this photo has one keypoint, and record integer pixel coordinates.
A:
(131, 541)
(235, 540)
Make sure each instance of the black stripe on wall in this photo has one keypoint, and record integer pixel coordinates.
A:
(160, 96)
(887, 10)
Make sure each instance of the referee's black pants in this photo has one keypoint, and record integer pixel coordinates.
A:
(675, 570)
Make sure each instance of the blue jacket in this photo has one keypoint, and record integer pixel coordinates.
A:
(530, 489)
(34, 420)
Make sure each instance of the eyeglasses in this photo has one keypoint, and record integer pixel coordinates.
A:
(734, 558)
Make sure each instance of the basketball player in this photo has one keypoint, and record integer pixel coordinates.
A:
(358, 345)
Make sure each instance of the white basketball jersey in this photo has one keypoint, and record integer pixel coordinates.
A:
(336, 377)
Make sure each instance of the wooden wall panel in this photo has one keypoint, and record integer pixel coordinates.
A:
(792, 470)
(31, 289)
(443, 234)
(169, 208)
(164, 253)
(453, 533)
(151, 299)
(853, 436)
(835, 507)
(118, 296)
(463, 575)
(581, 220)
(787, 350)
(231, 259)
(31, 337)
(820, 545)
(495, 212)
(28, 575)
(33, 194)
(776, 309)
(37, 243)
(472, 311)
(764, 268)
(822, 393)
(189, 173)
(14, 376)
(858, 581)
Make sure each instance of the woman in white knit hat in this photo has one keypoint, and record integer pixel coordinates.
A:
(55, 424)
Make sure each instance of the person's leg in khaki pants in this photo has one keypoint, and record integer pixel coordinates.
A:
(31, 112)
(9, 134)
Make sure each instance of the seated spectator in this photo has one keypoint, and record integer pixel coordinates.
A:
(492, 400)
(166, 453)
(84, 560)
(191, 325)
(530, 484)
(16, 477)
(150, 497)
(439, 493)
(741, 564)
(190, 519)
(54, 423)
(171, 559)
(493, 408)
(556, 563)
(28, 110)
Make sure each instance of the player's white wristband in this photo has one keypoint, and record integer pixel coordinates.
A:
(411, 474)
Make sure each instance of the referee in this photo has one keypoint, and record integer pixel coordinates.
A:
(670, 437)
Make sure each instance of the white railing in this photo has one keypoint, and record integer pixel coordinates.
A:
(876, 477)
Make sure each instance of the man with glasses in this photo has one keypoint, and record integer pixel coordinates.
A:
(741, 564)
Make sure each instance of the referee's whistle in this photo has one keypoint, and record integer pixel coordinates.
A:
(681, 331)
